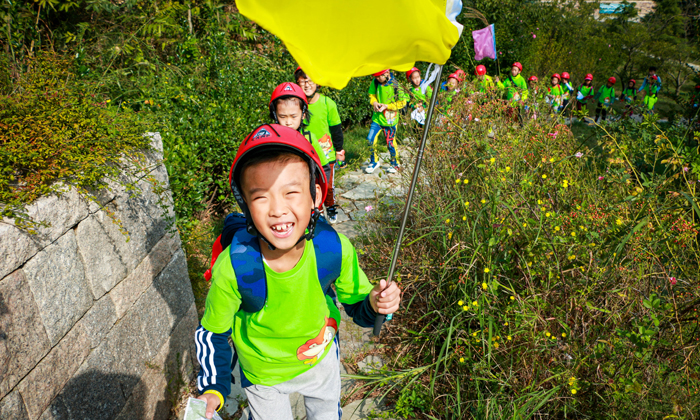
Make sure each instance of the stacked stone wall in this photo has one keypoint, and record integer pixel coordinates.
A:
(94, 323)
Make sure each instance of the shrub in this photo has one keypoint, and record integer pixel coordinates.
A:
(55, 133)
(544, 275)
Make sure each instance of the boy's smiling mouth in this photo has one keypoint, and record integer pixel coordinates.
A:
(282, 230)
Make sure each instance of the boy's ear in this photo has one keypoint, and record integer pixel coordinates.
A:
(318, 201)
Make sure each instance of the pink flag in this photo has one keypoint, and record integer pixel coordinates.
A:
(485, 43)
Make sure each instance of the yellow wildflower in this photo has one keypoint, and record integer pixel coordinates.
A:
(484, 286)
(457, 181)
(512, 298)
(461, 360)
(460, 303)
(465, 308)
(547, 214)
(447, 220)
(475, 303)
(464, 218)
(486, 270)
(563, 335)
(495, 345)
(573, 234)
(509, 338)
(573, 392)
(492, 160)
(507, 168)
(544, 176)
(547, 334)
(556, 228)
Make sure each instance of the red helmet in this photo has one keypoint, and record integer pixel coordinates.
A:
(556, 75)
(270, 137)
(460, 74)
(453, 76)
(518, 65)
(634, 82)
(654, 78)
(284, 90)
(379, 73)
(298, 68)
(410, 72)
(612, 80)
(565, 75)
(481, 70)
(588, 77)
(532, 79)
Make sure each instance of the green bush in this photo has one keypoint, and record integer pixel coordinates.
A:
(548, 276)
(55, 133)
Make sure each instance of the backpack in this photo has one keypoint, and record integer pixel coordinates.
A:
(247, 263)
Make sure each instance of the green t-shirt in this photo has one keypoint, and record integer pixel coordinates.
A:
(585, 91)
(386, 95)
(606, 95)
(289, 335)
(418, 96)
(317, 147)
(516, 88)
(324, 114)
(556, 95)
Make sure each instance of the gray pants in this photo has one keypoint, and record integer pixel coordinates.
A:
(320, 387)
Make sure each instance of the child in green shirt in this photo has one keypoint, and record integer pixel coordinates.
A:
(288, 341)
(514, 84)
(419, 100)
(555, 93)
(387, 99)
(585, 92)
(605, 97)
(324, 122)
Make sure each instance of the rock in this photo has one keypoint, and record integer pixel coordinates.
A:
(138, 337)
(16, 247)
(348, 229)
(23, 340)
(57, 280)
(12, 407)
(364, 191)
(103, 264)
(56, 411)
(45, 381)
(341, 216)
(61, 212)
(349, 181)
(370, 363)
(128, 291)
(99, 320)
(362, 409)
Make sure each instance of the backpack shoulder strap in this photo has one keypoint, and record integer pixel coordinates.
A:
(329, 254)
(247, 263)
(232, 223)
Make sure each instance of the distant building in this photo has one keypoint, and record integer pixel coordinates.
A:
(612, 7)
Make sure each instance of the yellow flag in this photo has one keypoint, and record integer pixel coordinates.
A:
(335, 40)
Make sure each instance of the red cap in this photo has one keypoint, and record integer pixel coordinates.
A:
(654, 78)
(481, 70)
(410, 72)
(532, 79)
(379, 73)
(556, 75)
(275, 136)
(588, 77)
(288, 89)
(298, 68)
(453, 76)
(460, 74)
(612, 80)
(565, 75)
(518, 65)
(633, 81)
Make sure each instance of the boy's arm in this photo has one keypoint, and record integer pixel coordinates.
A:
(214, 355)
(211, 338)
(353, 288)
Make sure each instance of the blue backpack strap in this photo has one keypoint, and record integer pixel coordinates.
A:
(247, 263)
(329, 255)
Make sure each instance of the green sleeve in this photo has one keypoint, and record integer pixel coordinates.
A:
(372, 88)
(352, 286)
(333, 115)
(223, 299)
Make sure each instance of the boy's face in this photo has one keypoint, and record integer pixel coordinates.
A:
(587, 82)
(289, 114)
(382, 78)
(514, 71)
(415, 78)
(451, 84)
(609, 84)
(308, 86)
(630, 84)
(555, 81)
(278, 197)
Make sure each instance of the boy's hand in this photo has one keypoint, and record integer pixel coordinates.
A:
(212, 403)
(377, 107)
(385, 301)
(496, 79)
(340, 155)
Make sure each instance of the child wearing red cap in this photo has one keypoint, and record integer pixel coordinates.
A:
(514, 84)
(555, 93)
(605, 97)
(567, 88)
(585, 92)
(387, 100)
(418, 99)
(629, 95)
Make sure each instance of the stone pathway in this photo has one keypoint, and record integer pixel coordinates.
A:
(355, 191)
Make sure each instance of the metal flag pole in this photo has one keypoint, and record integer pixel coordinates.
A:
(379, 320)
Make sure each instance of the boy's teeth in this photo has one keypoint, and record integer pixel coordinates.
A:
(281, 228)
